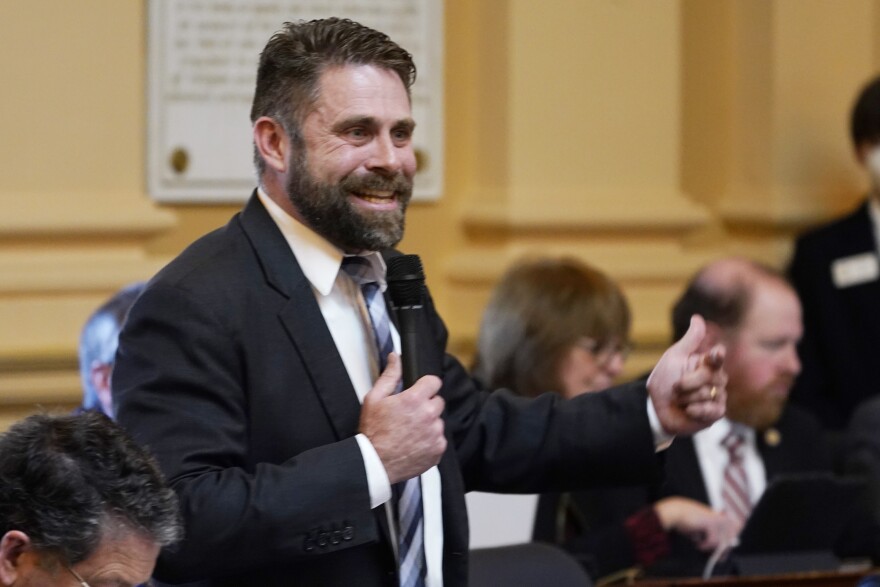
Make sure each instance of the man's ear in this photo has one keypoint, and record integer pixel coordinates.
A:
(272, 143)
(99, 374)
(13, 545)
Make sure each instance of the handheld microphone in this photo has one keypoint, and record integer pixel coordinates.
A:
(406, 285)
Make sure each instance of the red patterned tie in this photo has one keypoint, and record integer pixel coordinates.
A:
(735, 487)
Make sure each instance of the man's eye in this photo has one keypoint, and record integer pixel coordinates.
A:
(773, 345)
(401, 137)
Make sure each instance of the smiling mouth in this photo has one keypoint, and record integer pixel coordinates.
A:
(375, 197)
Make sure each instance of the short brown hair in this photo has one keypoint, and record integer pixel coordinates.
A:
(538, 311)
(295, 57)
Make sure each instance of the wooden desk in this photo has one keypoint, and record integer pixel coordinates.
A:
(811, 579)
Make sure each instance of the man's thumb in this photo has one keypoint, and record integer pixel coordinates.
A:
(692, 339)
(388, 380)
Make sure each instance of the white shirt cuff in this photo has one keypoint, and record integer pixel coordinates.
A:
(662, 439)
(377, 477)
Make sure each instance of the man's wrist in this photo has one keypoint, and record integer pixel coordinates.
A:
(377, 478)
(662, 439)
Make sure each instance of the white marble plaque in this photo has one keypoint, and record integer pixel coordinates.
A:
(202, 67)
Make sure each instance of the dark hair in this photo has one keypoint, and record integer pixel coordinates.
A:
(295, 57)
(720, 293)
(865, 118)
(538, 311)
(67, 481)
(100, 337)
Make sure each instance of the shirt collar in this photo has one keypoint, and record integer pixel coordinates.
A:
(319, 259)
(718, 431)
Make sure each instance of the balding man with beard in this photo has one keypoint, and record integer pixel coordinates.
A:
(756, 314)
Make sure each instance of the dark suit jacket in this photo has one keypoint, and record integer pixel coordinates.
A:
(605, 547)
(227, 371)
(862, 459)
(841, 326)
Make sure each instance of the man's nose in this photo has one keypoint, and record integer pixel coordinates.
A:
(386, 157)
(792, 361)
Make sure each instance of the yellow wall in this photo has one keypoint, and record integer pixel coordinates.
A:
(645, 136)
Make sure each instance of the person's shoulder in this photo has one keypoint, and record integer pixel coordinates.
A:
(839, 227)
(219, 269)
(209, 253)
(794, 417)
(866, 416)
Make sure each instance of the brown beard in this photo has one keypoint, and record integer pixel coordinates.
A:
(326, 208)
(759, 411)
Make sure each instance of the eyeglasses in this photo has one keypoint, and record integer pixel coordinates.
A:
(606, 352)
(82, 582)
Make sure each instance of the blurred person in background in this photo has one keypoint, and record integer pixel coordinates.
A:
(553, 324)
(97, 348)
(836, 272)
(754, 311)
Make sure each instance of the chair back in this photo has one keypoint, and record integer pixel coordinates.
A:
(534, 564)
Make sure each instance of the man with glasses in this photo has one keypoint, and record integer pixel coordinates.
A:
(80, 504)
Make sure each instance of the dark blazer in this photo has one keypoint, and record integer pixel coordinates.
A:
(841, 325)
(605, 547)
(862, 459)
(227, 371)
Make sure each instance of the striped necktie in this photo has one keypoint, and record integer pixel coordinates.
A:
(408, 494)
(735, 486)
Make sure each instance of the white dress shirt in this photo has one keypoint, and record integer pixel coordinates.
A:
(344, 310)
(713, 458)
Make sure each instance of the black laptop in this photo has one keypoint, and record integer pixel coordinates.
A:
(796, 523)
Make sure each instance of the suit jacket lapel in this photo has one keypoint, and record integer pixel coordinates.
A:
(308, 332)
(782, 455)
(303, 320)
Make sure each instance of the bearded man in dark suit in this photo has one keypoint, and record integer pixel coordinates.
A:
(250, 366)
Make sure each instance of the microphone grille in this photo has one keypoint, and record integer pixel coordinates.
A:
(406, 280)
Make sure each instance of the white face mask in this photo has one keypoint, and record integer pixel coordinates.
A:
(872, 162)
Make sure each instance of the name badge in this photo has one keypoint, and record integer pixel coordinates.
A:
(855, 270)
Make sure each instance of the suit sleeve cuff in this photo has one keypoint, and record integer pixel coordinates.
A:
(662, 439)
(377, 477)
